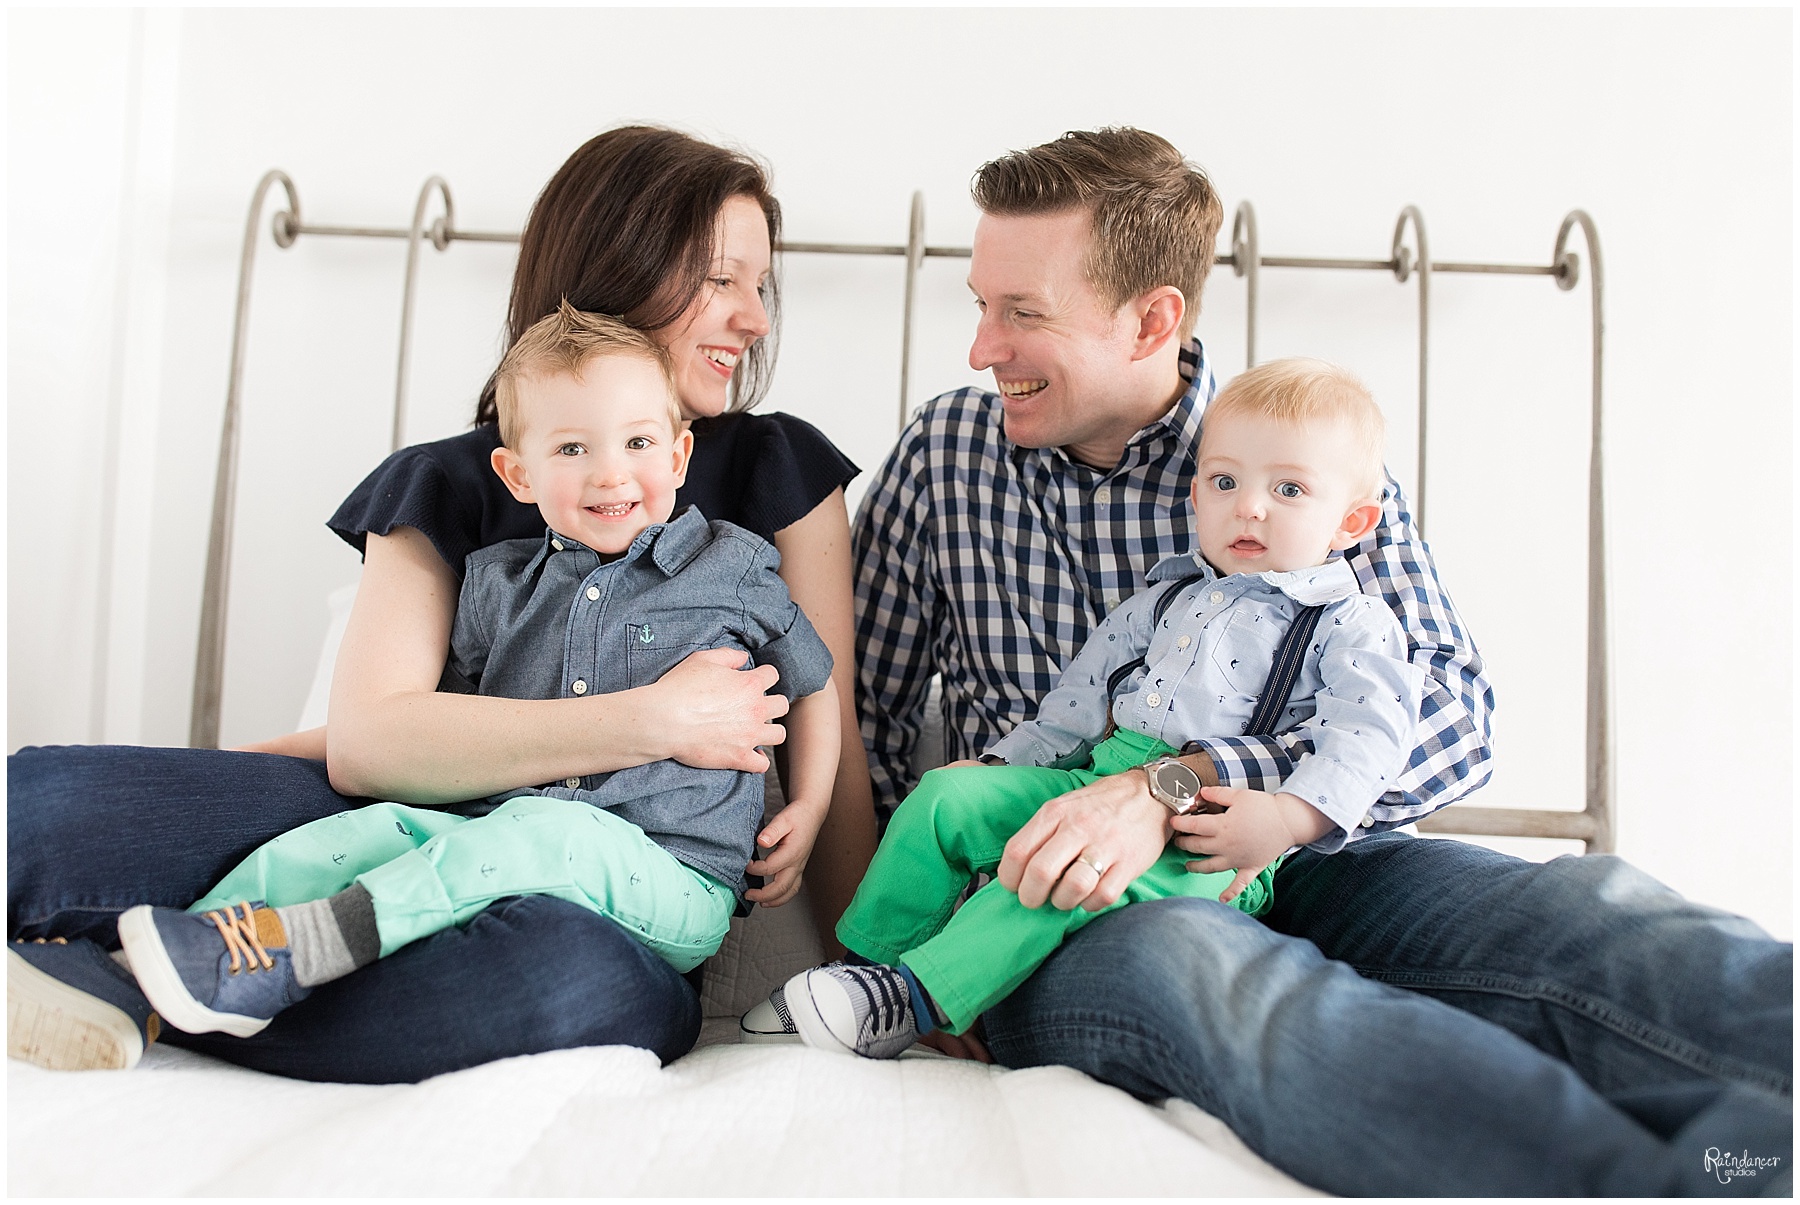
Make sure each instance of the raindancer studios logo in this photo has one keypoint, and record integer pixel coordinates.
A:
(1728, 1167)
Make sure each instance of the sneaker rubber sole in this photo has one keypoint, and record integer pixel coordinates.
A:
(810, 1025)
(162, 984)
(60, 1028)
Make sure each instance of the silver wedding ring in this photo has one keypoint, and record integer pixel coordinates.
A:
(1099, 868)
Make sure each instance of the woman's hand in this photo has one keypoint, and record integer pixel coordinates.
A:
(716, 714)
(1112, 823)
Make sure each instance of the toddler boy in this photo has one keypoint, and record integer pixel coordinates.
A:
(612, 596)
(1222, 642)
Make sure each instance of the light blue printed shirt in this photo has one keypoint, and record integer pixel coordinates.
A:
(1356, 700)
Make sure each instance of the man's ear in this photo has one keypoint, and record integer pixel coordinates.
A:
(1359, 522)
(1159, 314)
(512, 471)
(684, 448)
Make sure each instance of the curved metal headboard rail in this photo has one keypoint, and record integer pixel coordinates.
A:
(209, 658)
(440, 235)
(1593, 825)
(1406, 261)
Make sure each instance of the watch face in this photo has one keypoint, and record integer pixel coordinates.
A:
(1176, 781)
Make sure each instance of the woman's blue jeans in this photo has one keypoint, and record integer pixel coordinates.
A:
(93, 830)
(1421, 1017)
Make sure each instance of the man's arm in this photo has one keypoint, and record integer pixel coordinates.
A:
(896, 613)
(1450, 753)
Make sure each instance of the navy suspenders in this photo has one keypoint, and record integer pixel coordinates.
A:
(1283, 673)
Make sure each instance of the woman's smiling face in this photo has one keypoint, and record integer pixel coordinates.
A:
(707, 341)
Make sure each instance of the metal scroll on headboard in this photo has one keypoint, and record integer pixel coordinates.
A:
(1409, 258)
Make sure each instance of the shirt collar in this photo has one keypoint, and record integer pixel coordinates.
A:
(671, 545)
(1309, 587)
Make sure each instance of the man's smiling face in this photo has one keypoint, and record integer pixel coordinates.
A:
(1059, 353)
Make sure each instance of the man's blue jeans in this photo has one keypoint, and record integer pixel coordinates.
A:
(1429, 1017)
(93, 830)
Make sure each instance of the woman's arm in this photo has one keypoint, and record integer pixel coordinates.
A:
(815, 564)
(394, 736)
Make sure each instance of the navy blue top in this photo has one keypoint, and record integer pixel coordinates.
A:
(759, 471)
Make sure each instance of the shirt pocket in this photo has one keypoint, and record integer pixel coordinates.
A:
(656, 644)
(1245, 650)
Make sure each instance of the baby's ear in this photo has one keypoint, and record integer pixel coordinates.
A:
(1359, 522)
(684, 448)
(511, 470)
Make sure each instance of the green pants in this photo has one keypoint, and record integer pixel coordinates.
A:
(429, 870)
(957, 823)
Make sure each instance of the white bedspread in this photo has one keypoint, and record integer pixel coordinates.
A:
(725, 1120)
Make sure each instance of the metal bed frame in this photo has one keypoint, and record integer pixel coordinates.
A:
(1409, 258)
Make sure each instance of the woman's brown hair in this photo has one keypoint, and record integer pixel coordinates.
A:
(626, 227)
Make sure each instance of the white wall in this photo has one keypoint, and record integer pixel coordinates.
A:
(135, 141)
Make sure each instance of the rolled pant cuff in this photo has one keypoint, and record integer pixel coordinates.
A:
(961, 1011)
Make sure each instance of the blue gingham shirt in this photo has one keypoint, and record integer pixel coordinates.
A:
(1356, 697)
(991, 563)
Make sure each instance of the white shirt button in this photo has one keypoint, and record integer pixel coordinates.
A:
(1103, 495)
(579, 687)
(1153, 699)
(1184, 642)
(556, 544)
(1368, 822)
(571, 783)
(1216, 597)
(593, 592)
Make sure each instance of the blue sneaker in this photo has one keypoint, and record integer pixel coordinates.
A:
(213, 971)
(70, 1007)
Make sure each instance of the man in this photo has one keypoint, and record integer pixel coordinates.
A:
(1413, 1016)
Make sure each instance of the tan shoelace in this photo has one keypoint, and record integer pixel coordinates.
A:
(241, 940)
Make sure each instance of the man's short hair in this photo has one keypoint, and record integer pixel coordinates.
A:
(1300, 392)
(1155, 215)
(565, 343)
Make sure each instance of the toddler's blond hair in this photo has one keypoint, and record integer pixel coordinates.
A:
(565, 343)
(1297, 392)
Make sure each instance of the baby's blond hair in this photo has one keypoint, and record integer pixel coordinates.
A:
(566, 342)
(1297, 392)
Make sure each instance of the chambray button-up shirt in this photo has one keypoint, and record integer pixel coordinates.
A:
(1356, 698)
(548, 619)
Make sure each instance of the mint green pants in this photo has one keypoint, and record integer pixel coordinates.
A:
(957, 823)
(428, 870)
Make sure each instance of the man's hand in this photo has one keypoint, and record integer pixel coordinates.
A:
(787, 843)
(715, 713)
(1254, 829)
(1084, 848)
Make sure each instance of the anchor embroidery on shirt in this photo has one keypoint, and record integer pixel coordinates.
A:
(338, 858)
(404, 831)
(487, 870)
(645, 635)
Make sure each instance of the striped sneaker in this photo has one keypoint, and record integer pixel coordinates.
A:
(71, 1007)
(861, 1010)
(769, 1023)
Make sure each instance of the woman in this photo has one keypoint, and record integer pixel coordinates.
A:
(675, 236)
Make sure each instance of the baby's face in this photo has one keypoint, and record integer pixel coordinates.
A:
(597, 454)
(1272, 497)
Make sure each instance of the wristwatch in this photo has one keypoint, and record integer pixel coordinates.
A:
(1174, 785)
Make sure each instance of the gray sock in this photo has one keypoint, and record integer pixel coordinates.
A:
(331, 937)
